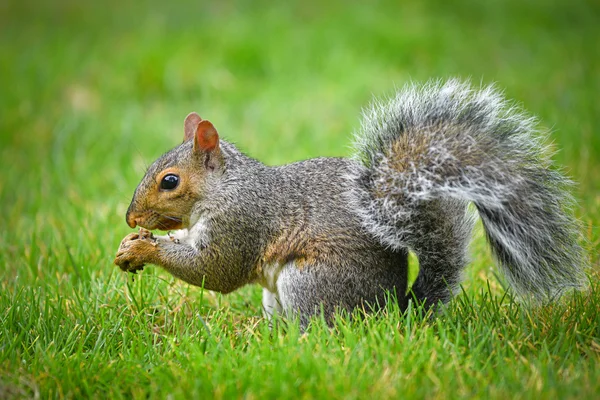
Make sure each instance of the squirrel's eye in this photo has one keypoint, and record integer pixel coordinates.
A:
(169, 182)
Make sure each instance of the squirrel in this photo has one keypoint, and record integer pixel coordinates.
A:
(335, 233)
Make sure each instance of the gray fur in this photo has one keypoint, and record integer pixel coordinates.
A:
(331, 233)
(248, 206)
(482, 149)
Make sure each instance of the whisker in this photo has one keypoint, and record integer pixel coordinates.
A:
(171, 218)
(161, 225)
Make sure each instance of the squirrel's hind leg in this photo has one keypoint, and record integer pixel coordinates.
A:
(441, 236)
(312, 290)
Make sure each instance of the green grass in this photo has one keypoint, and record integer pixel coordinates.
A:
(92, 93)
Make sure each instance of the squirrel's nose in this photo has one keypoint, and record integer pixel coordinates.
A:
(131, 220)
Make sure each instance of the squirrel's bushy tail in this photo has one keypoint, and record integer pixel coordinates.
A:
(432, 149)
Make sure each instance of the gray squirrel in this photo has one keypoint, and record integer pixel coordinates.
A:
(334, 233)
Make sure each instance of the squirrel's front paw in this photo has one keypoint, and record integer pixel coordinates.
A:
(135, 250)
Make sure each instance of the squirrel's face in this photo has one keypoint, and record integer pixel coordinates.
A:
(175, 182)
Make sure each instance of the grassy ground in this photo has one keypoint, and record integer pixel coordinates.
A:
(94, 91)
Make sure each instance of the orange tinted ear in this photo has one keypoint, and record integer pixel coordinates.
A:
(190, 125)
(207, 138)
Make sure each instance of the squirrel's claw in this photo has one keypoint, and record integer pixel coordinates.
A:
(133, 251)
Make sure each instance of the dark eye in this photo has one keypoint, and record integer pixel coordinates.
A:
(169, 182)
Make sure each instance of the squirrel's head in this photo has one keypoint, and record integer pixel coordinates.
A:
(176, 181)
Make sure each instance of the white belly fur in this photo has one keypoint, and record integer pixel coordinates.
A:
(268, 279)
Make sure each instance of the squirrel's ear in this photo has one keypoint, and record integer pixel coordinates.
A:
(206, 138)
(190, 125)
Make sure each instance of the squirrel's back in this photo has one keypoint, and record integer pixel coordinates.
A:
(308, 217)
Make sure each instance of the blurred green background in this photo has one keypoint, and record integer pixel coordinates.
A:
(92, 92)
